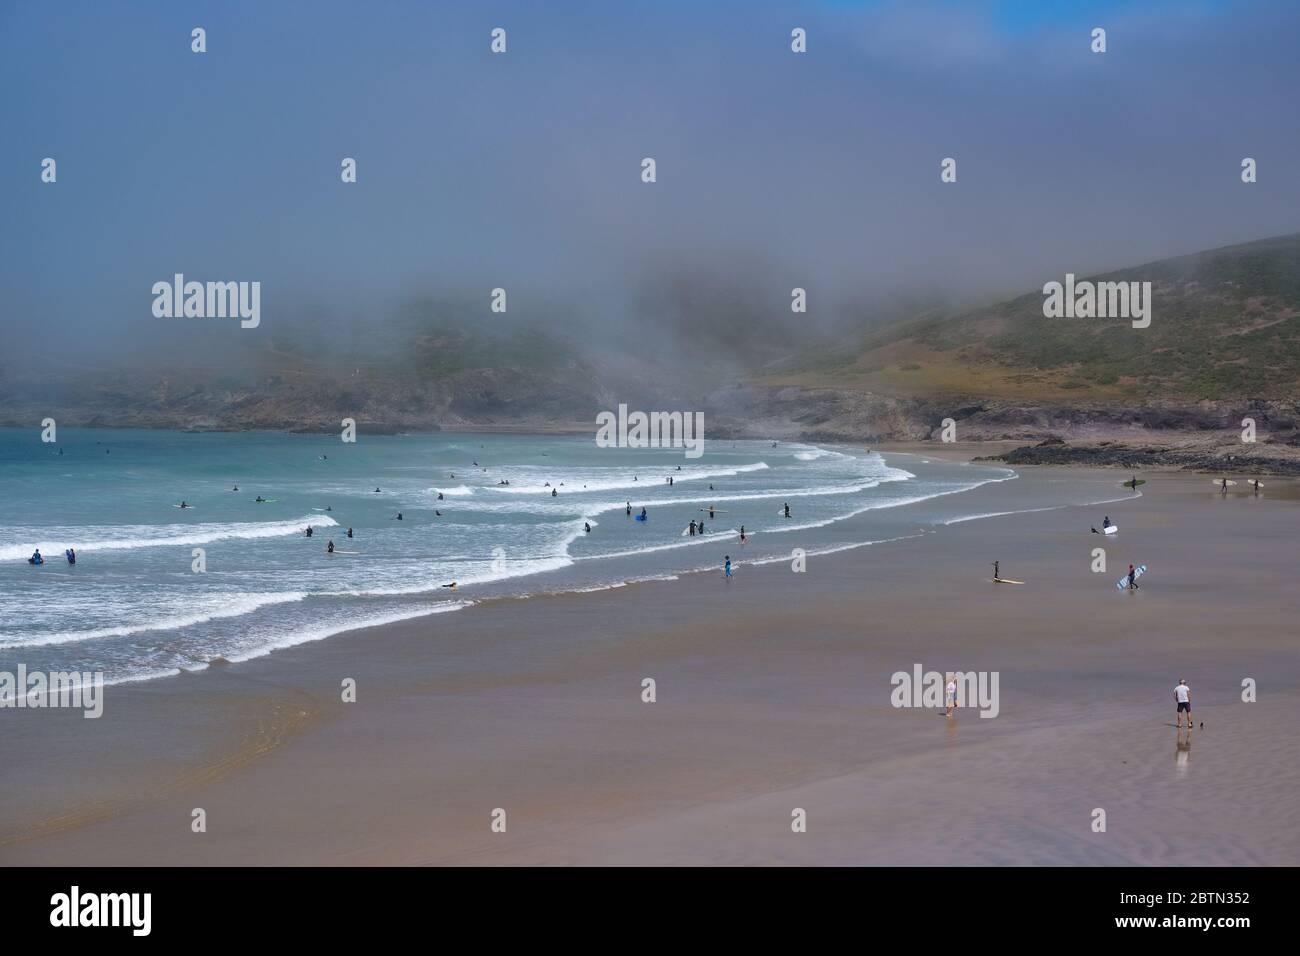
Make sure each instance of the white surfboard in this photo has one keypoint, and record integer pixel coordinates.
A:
(1138, 571)
(1221, 482)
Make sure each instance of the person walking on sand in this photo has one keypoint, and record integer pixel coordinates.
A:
(950, 694)
(1183, 694)
(996, 575)
(726, 567)
(1224, 487)
(1132, 578)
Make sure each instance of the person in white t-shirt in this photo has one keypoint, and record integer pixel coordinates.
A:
(1183, 694)
(950, 692)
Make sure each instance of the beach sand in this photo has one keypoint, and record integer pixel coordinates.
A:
(773, 693)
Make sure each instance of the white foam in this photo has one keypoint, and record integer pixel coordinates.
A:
(132, 537)
(308, 635)
(221, 606)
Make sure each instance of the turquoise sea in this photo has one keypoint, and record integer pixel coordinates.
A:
(135, 607)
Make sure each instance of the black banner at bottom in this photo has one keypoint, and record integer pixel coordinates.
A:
(301, 905)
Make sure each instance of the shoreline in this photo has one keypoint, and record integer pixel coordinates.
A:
(771, 689)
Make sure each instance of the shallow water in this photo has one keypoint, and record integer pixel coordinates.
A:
(134, 607)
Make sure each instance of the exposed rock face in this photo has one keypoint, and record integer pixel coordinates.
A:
(1137, 458)
(848, 415)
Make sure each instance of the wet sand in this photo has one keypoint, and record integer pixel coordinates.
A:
(773, 693)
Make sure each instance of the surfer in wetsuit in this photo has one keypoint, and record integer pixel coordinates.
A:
(1224, 486)
(236, 488)
(629, 509)
(399, 516)
(36, 558)
(71, 555)
(309, 531)
(440, 496)
(691, 529)
(554, 492)
(787, 509)
(710, 512)
(701, 526)
(183, 504)
(742, 534)
(586, 527)
(329, 548)
(996, 575)
(643, 514)
(349, 532)
(1256, 484)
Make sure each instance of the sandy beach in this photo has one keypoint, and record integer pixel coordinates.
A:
(772, 693)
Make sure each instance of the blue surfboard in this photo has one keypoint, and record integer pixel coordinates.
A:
(1122, 583)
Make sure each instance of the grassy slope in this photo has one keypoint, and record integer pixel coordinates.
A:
(1226, 324)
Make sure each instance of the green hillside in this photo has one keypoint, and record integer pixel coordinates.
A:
(1225, 324)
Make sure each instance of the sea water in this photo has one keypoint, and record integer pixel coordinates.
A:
(135, 607)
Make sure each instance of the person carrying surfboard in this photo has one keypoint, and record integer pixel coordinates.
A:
(1132, 578)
